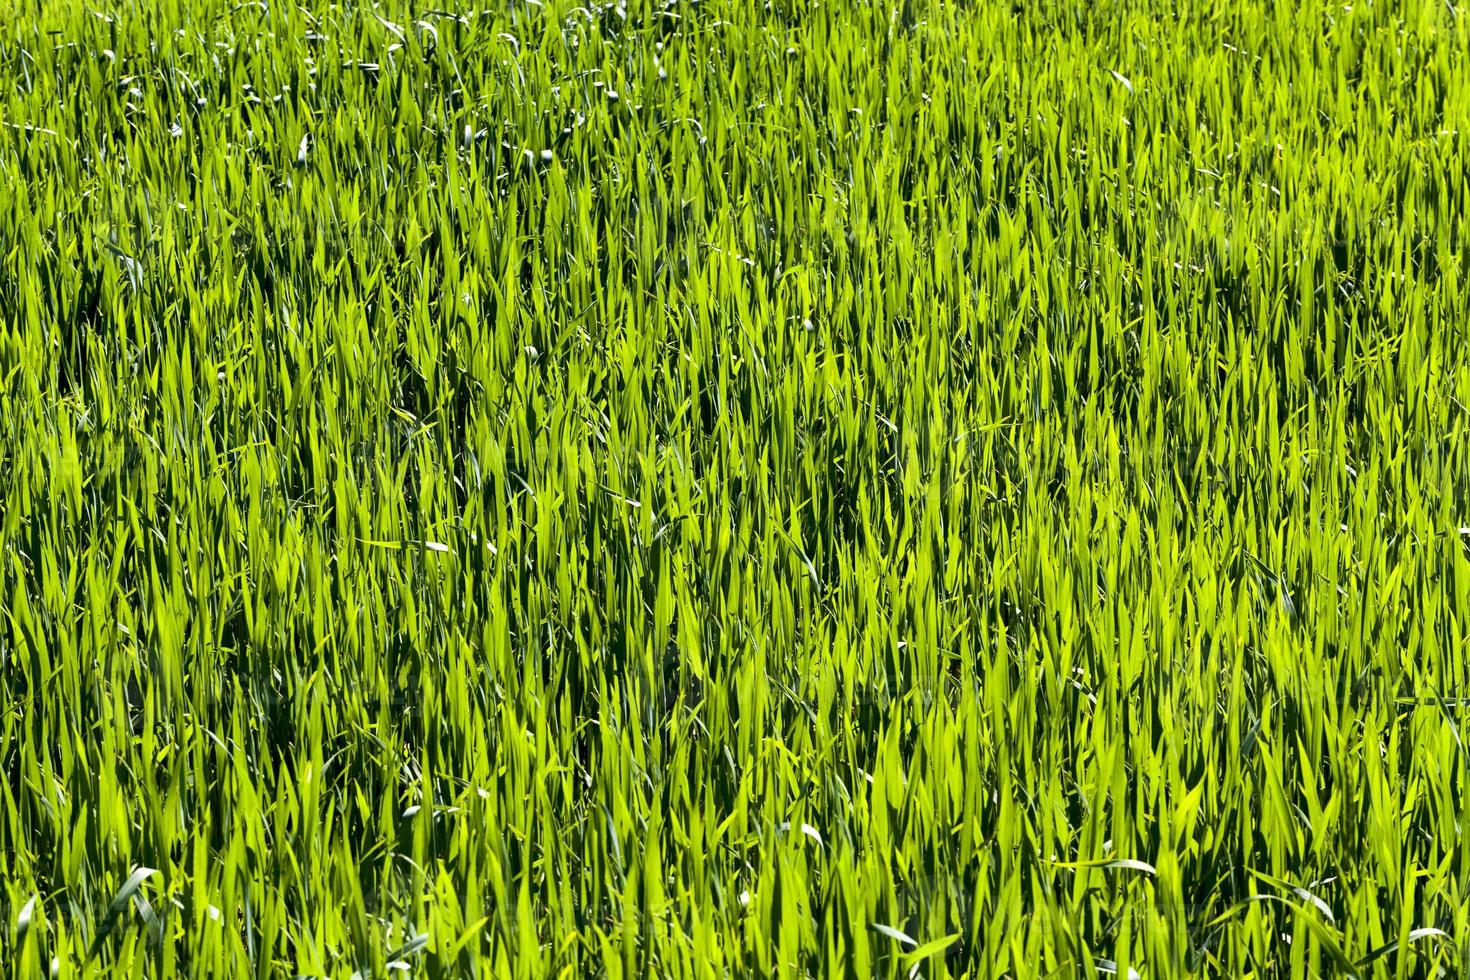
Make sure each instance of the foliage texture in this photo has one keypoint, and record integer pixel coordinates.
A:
(716, 488)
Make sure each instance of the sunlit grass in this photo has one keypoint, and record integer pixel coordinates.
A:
(734, 489)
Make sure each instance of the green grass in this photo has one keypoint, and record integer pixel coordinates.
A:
(728, 488)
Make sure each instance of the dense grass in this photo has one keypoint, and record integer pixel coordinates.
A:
(734, 489)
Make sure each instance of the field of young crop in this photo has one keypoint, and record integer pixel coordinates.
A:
(726, 488)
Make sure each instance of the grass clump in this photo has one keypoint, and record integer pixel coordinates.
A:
(715, 488)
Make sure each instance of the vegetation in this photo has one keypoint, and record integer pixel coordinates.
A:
(713, 488)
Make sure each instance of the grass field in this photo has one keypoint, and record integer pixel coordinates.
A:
(714, 488)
